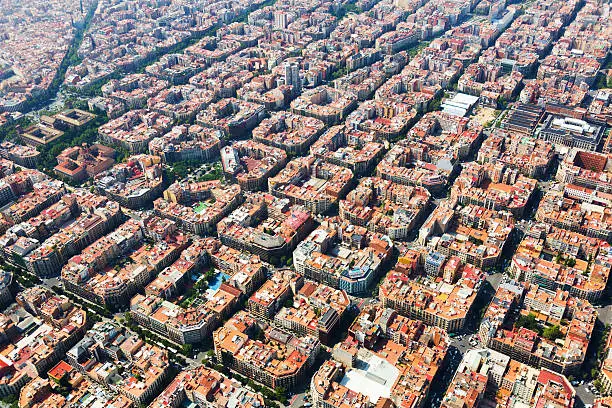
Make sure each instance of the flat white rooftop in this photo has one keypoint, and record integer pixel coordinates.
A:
(373, 377)
(460, 104)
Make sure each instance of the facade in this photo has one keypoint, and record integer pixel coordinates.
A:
(361, 256)
(572, 132)
(280, 360)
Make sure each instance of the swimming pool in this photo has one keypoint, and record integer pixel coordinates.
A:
(217, 280)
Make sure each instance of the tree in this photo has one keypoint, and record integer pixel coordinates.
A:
(598, 385)
(18, 260)
(571, 262)
(260, 335)
(12, 400)
(529, 322)
(279, 393)
(128, 318)
(187, 348)
(552, 333)
(221, 368)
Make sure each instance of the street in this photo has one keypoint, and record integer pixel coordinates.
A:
(460, 342)
(605, 313)
(297, 401)
(494, 279)
(584, 396)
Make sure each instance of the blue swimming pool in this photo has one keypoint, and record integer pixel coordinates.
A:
(217, 280)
